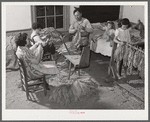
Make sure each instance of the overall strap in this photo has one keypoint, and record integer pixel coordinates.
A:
(33, 39)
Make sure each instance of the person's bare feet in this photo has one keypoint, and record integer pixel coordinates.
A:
(119, 77)
(124, 75)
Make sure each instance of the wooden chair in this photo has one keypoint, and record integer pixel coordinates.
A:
(79, 61)
(26, 81)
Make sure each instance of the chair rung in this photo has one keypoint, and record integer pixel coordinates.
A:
(35, 84)
(29, 86)
(24, 87)
(36, 89)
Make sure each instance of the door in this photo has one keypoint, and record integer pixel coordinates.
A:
(101, 13)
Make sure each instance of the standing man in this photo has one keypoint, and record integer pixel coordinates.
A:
(80, 25)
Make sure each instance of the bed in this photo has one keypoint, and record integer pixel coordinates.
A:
(104, 47)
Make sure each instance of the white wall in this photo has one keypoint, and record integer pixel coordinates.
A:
(71, 13)
(18, 17)
(133, 13)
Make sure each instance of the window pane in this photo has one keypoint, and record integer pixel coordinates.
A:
(41, 21)
(50, 21)
(59, 22)
(40, 11)
(49, 10)
(59, 10)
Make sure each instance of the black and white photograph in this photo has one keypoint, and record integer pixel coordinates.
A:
(75, 60)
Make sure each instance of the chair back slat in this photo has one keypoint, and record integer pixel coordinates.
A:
(85, 58)
(24, 87)
(22, 74)
(23, 81)
(71, 50)
(63, 38)
(22, 68)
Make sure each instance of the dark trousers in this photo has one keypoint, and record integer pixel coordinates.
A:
(119, 67)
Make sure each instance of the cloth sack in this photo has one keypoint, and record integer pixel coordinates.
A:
(11, 58)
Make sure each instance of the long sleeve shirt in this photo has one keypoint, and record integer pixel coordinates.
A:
(84, 22)
(75, 27)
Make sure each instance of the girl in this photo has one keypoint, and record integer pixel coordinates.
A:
(122, 36)
(102, 43)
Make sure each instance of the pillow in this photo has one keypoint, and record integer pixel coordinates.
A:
(96, 32)
(96, 25)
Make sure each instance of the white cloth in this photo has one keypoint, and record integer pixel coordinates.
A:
(102, 45)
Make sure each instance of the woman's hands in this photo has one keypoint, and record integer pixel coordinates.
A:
(81, 27)
(44, 43)
(117, 40)
(123, 43)
(34, 46)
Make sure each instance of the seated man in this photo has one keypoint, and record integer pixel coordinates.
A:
(81, 28)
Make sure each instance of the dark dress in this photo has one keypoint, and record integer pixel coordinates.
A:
(49, 48)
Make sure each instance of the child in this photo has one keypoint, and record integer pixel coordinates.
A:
(109, 30)
(48, 47)
(122, 36)
(102, 43)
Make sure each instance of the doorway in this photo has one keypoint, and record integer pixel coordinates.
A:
(100, 13)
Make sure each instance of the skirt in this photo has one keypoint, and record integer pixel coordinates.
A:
(49, 48)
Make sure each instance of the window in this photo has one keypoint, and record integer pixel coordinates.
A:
(51, 16)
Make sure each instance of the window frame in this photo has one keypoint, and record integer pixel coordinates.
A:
(66, 16)
(121, 12)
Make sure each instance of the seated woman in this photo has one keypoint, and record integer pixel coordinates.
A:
(102, 43)
(32, 58)
(47, 45)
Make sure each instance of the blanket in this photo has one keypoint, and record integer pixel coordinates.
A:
(11, 59)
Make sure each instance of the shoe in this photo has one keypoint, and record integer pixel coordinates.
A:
(119, 77)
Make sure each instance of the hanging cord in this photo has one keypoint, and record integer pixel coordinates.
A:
(135, 48)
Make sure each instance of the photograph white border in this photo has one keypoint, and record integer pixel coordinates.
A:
(57, 114)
